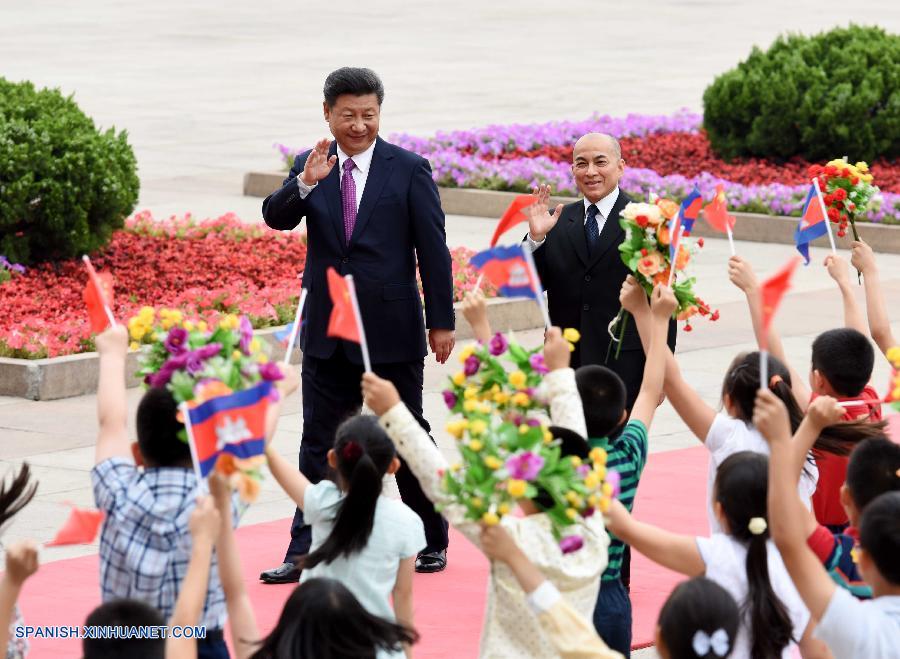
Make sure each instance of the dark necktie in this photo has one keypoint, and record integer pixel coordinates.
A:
(348, 198)
(592, 230)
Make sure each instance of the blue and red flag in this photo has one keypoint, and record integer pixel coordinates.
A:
(506, 269)
(233, 423)
(813, 223)
(284, 335)
(690, 209)
(675, 225)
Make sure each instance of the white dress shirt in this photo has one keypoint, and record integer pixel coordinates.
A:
(360, 173)
(604, 208)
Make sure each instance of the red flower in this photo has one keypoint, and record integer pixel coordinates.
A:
(644, 252)
(830, 170)
(687, 327)
(840, 194)
(854, 180)
(833, 214)
(828, 199)
(715, 315)
(699, 242)
(642, 221)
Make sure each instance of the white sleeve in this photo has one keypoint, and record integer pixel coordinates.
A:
(304, 189)
(534, 244)
(566, 409)
(849, 630)
(720, 433)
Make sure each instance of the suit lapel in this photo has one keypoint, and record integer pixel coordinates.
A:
(331, 186)
(379, 172)
(575, 229)
(612, 233)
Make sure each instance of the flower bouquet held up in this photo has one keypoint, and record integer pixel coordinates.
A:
(197, 363)
(893, 392)
(507, 449)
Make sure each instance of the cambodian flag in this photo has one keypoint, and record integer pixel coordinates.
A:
(284, 335)
(813, 223)
(690, 209)
(233, 423)
(507, 269)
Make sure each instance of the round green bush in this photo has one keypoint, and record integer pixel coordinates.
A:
(64, 185)
(822, 97)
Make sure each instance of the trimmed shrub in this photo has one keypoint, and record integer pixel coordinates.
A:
(822, 97)
(64, 185)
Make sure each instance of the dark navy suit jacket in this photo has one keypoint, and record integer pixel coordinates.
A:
(399, 219)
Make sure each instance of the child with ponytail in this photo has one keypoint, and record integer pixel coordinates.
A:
(741, 559)
(364, 540)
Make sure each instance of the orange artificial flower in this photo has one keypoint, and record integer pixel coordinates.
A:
(687, 313)
(650, 264)
(682, 258)
(662, 278)
(662, 234)
(225, 464)
(668, 207)
(248, 488)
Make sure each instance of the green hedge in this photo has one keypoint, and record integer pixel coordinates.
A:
(831, 95)
(64, 185)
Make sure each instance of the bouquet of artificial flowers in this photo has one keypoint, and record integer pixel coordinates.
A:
(847, 191)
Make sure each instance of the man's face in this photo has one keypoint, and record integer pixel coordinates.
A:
(596, 167)
(353, 121)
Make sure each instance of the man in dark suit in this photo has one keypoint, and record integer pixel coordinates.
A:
(373, 216)
(576, 251)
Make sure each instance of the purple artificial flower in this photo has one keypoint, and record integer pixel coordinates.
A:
(472, 365)
(246, 330)
(498, 344)
(449, 399)
(176, 341)
(614, 479)
(209, 350)
(270, 371)
(571, 543)
(194, 364)
(537, 363)
(534, 423)
(525, 466)
(583, 470)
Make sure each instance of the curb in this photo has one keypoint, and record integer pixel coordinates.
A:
(754, 227)
(77, 375)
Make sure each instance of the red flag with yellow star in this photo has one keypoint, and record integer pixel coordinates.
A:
(342, 323)
(771, 292)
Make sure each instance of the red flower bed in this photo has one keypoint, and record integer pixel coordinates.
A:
(689, 155)
(203, 268)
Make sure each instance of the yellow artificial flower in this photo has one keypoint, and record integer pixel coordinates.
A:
(470, 393)
(517, 379)
(521, 399)
(503, 508)
(862, 166)
(495, 389)
(455, 467)
(516, 488)
(477, 427)
(490, 519)
(600, 470)
(592, 481)
(456, 428)
(147, 314)
(607, 489)
(571, 513)
(458, 378)
(571, 335)
(604, 504)
(475, 445)
(867, 178)
(485, 408)
(470, 405)
(134, 345)
(501, 398)
(598, 454)
(255, 345)
(236, 355)
(477, 502)
(492, 462)
(576, 461)
(466, 353)
(593, 500)
(202, 326)
(137, 330)
(548, 437)
(571, 347)
(893, 355)
(524, 428)
(189, 325)
(262, 358)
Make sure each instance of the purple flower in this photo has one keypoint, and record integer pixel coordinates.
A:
(534, 423)
(194, 364)
(525, 466)
(15, 267)
(270, 371)
(209, 350)
(176, 341)
(537, 363)
(583, 470)
(571, 543)
(472, 365)
(614, 479)
(498, 344)
(246, 330)
(449, 399)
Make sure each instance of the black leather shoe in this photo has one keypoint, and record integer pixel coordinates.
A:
(284, 573)
(433, 561)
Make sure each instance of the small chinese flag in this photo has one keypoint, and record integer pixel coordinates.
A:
(716, 212)
(98, 296)
(342, 323)
(771, 292)
(81, 527)
(512, 216)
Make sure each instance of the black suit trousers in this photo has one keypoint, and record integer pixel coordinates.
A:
(332, 394)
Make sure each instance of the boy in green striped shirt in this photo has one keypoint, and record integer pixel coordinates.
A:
(603, 397)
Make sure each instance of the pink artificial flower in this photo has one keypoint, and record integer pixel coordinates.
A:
(525, 466)
(571, 543)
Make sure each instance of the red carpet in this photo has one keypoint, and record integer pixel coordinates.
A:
(449, 606)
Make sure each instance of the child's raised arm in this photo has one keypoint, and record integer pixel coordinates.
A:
(566, 409)
(786, 511)
(863, 259)
(662, 306)
(289, 477)
(21, 563)
(241, 618)
(474, 308)
(837, 268)
(204, 525)
(112, 404)
(672, 550)
(285, 386)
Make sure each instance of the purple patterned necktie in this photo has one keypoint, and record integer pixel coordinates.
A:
(348, 198)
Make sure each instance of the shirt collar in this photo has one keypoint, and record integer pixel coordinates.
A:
(361, 160)
(605, 205)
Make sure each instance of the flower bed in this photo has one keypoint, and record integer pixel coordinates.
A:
(667, 155)
(203, 268)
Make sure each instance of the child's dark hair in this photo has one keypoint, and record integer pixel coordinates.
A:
(364, 453)
(571, 443)
(879, 535)
(845, 357)
(124, 613)
(158, 428)
(18, 495)
(741, 384)
(697, 605)
(323, 619)
(873, 470)
(741, 487)
(603, 398)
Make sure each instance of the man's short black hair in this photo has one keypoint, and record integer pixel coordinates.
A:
(124, 613)
(845, 357)
(158, 428)
(603, 398)
(872, 470)
(879, 535)
(352, 80)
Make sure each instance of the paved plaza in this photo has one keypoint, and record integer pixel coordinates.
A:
(204, 89)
